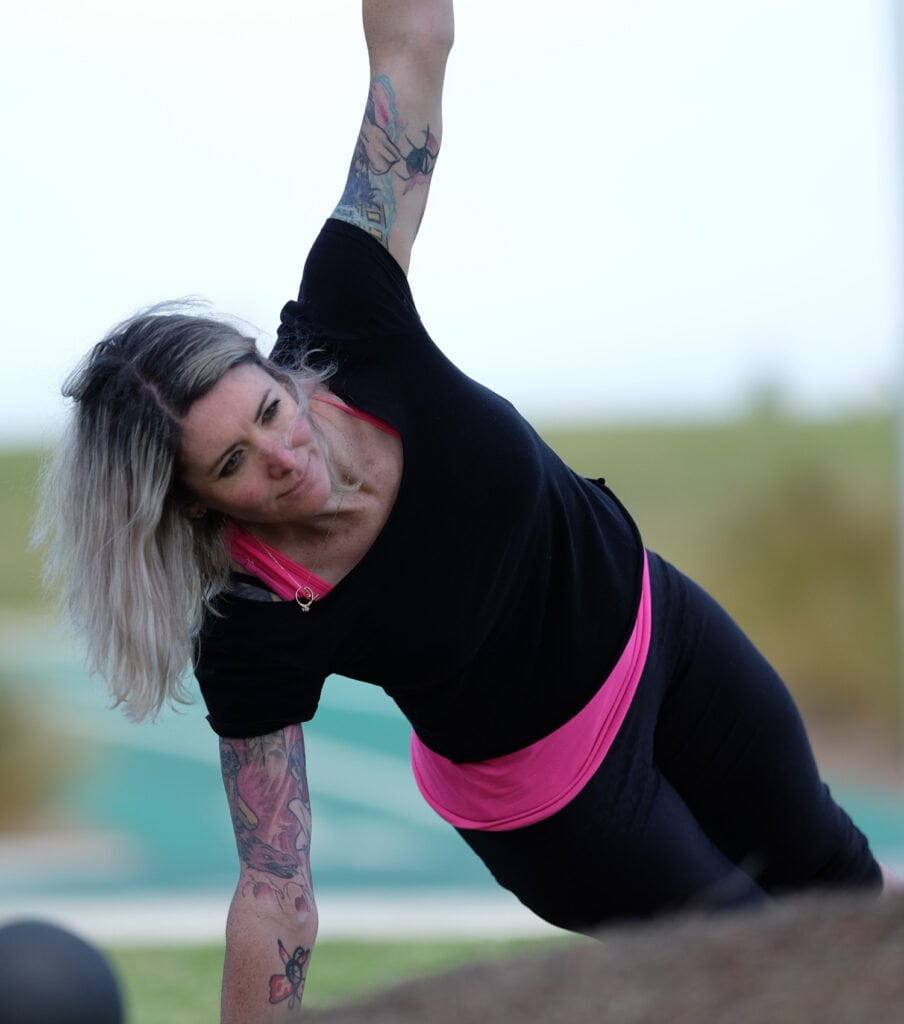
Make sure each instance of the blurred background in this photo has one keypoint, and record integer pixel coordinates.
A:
(670, 233)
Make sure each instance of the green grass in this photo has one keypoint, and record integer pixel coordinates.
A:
(791, 524)
(20, 567)
(682, 482)
(181, 986)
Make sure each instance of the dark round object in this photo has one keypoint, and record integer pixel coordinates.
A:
(50, 976)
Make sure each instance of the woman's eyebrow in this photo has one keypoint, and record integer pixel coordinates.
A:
(235, 444)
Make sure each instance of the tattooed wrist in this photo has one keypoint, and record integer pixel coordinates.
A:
(290, 984)
(390, 159)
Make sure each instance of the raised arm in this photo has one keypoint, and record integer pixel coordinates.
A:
(272, 920)
(408, 42)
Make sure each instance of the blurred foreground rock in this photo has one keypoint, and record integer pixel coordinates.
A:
(828, 959)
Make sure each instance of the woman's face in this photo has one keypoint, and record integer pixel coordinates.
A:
(248, 452)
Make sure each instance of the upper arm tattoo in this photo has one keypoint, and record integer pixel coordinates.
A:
(389, 155)
(266, 786)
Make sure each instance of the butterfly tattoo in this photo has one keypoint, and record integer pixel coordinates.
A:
(286, 985)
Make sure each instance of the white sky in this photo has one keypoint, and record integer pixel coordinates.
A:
(642, 207)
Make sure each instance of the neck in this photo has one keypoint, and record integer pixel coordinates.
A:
(317, 529)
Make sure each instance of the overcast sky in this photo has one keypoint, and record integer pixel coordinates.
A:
(642, 207)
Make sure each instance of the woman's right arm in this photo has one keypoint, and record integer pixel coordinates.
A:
(272, 920)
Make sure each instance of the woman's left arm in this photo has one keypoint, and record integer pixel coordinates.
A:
(408, 42)
(272, 920)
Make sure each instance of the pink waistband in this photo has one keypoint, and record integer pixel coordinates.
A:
(531, 784)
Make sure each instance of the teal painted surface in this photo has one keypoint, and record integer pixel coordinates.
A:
(149, 801)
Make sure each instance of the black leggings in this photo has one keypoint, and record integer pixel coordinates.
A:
(709, 796)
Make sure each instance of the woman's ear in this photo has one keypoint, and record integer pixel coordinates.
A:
(195, 511)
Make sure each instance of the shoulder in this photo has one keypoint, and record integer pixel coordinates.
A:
(251, 680)
(352, 290)
(341, 246)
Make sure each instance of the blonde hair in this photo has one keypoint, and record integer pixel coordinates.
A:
(135, 572)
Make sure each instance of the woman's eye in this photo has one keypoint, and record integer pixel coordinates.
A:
(231, 464)
(271, 411)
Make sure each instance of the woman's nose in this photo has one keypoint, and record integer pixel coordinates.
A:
(280, 457)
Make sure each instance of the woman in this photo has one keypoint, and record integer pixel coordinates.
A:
(593, 724)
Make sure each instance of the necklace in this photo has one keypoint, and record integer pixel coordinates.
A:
(304, 595)
(248, 551)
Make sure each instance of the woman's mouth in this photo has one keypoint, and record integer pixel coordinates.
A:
(299, 484)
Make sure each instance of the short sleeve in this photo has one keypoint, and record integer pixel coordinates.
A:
(352, 293)
(252, 683)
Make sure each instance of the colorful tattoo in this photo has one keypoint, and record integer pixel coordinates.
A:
(290, 983)
(266, 786)
(384, 152)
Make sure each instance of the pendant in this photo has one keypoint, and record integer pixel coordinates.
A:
(304, 603)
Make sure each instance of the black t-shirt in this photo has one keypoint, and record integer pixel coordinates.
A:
(503, 586)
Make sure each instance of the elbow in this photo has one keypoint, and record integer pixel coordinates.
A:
(426, 33)
(431, 29)
(308, 922)
(302, 919)
(440, 36)
(256, 906)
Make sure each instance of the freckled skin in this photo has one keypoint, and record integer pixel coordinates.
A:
(245, 446)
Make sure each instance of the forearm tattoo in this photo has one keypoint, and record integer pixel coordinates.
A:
(267, 790)
(266, 786)
(389, 155)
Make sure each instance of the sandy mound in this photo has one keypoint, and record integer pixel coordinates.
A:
(830, 960)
